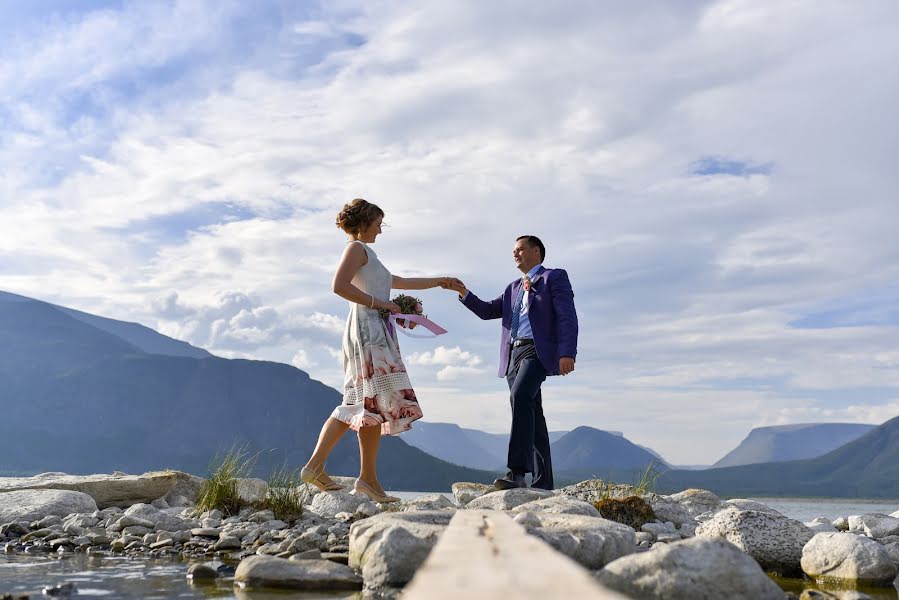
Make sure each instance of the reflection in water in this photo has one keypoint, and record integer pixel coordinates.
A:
(133, 578)
(130, 578)
(798, 585)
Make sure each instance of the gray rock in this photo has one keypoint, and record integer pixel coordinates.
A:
(818, 527)
(874, 525)
(429, 502)
(388, 548)
(331, 503)
(30, 505)
(208, 532)
(696, 501)
(842, 523)
(108, 490)
(161, 520)
(559, 505)
(591, 541)
(526, 519)
(773, 540)
(262, 516)
(48, 521)
(699, 568)
(251, 490)
(465, 492)
(132, 521)
(847, 557)
(315, 554)
(270, 571)
(508, 499)
(892, 549)
(227, 543)
(743, 504)
(366, 509)
(667, 510)
(593, 490)
(201, 571)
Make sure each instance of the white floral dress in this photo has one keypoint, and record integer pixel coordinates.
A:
(376, 388)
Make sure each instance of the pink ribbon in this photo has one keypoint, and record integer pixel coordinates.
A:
(418, 320)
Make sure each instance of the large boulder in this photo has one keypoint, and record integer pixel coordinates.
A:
(559, 505)
(698, 568)
(31, 505)
(773, 540)
(593, 490)
(118, 489)
(508, 499)
(332, 503)
(696, 501)
(848, 557)
(273, 572)
(388, 548)
(875, 525)
(591, 541)
(464, 491)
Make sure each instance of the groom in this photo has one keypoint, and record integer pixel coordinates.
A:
(539, 338)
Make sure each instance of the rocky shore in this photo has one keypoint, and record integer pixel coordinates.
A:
(686, 545)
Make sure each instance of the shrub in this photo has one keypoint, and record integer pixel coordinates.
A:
(219, 491)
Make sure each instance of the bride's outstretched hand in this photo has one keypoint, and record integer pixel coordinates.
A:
(456, 285)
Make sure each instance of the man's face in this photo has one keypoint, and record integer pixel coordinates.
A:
(526, 256)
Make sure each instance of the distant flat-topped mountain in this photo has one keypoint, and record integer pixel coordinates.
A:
(584, 450)
(83, 394)
(867, 467)
(792, 442)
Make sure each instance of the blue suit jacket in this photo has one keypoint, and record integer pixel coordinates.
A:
(551, 313)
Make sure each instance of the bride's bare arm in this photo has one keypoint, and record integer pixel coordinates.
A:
(422, 283)
(354, 257)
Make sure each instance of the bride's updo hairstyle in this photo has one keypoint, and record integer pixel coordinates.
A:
(358, 215)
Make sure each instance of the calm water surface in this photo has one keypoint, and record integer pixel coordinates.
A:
(116, 577)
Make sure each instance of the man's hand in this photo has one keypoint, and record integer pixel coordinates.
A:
(566, 365)
(456, 285)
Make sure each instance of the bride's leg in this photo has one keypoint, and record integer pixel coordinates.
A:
(369, 442)
(331, 432)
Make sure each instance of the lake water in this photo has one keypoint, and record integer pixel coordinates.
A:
(117, 577)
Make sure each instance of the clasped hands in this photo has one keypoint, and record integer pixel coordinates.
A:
(566, 363)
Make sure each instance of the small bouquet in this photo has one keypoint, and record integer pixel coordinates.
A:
(409, 305)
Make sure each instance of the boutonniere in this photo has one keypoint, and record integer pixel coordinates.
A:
(526, 282)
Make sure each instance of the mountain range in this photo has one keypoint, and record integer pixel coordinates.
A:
(867, 467)
(81, 394)
(792, 442)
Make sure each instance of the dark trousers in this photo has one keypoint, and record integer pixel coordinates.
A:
(529, 442)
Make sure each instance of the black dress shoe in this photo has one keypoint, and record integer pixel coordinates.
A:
(510, 481)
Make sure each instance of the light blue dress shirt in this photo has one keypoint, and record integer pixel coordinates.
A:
(524, 323)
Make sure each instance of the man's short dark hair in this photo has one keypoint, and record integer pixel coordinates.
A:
(533, 240)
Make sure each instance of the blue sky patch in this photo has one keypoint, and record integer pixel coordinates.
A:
(720, 165)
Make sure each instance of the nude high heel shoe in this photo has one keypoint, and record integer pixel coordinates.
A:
(310, 476)
(360, 487)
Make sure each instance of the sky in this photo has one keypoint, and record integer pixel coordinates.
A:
(717, 177)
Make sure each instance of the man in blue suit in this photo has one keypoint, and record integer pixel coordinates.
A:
(539, 338)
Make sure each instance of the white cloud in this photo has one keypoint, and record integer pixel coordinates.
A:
(202, 203)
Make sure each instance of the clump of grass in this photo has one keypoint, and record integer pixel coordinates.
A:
(285, 495)
(648, 478)
(219, 491)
